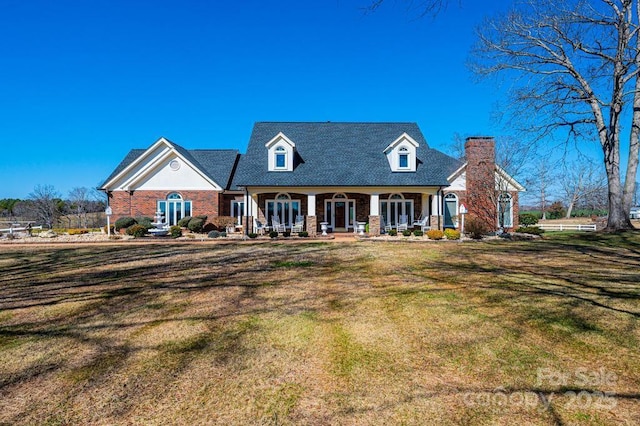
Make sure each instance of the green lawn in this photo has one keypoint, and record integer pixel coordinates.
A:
(544, 332)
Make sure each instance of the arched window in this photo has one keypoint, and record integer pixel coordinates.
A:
(339, 195)
(395, 206)
(282, 207)
(403, 158)
(505, 210)
(174, 208)
(281, 158)
(450, 210)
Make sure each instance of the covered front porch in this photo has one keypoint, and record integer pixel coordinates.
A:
(341, 208)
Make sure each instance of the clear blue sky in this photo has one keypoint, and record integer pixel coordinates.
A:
(83, 82)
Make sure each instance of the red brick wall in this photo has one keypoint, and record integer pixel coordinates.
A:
(480, 172)
(144, 203)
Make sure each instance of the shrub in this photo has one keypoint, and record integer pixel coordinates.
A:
(136, 230)
(144, 221)
(452, 234)
(253, 235)
(476, 228)
(196, 224)
(418, 233)
(366, 228)
(435, 234)
(221, 222)
(406, 232)
(124, 222)
(273, 234)
(530, 230)
(175, 231)
(528, 219)
(77, 231)
(286, 234)
(393, 233)
(184, 222)
(303, 234)
(214, 234)
(209, 227)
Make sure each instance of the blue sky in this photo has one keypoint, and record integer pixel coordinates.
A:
(83, 82)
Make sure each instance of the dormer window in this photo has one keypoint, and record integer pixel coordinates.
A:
(401, 154)
(403, 158)
(280, 153)
(281, 158)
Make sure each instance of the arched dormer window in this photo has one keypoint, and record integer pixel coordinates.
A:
(402, 154)
(280, 159)
(403, 158)
(280, 152)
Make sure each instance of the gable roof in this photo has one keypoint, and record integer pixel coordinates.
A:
(341, 154)
(215, 164)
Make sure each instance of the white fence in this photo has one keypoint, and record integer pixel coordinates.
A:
(19, 228)
(567, 227)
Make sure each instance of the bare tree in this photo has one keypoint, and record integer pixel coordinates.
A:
(79, 204)
(421, 7)
(540, 181)
(580, 182)
(44, 203)
(578, 69)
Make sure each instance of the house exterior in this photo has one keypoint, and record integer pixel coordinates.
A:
(333, 173)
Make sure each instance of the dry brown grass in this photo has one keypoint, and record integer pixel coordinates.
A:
(317, 333)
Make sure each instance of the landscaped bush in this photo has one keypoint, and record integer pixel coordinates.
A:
(253, 235)
(273, 234)
(393, 233)
(528, 219)
(124, 222)
(286, 234)
(406, 232)
(452, 234)
(476, 228)
(530, 230)
(175, 231)
(77, 231)
(418, 233)
(196, 224)
(214, 234)
(144, 221)
(435, 234)
(303, 234)
(184, 221)
(222, 222)
(137, 230)
(209, 227)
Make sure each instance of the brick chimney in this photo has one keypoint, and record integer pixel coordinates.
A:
(480, 153)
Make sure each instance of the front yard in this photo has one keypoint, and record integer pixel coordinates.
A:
(544, 332)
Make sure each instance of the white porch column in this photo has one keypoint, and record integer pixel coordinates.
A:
(425, 205)
(311, 204)
(435, 202)
(254, 206)
(374, 205)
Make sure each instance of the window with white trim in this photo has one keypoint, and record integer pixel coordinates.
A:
(174, 208)
(403, 158)
(505, 210)
(280, 159)
(451, 210)
(284, 208)
(237, 210)
(395, 206)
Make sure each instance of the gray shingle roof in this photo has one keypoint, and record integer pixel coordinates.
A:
(341, 154)
(217, 164)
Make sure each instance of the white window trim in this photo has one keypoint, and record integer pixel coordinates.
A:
(451, 196)
(400, 201)
(510, 225)
(241, 210)
(392, 151)
(280, 141)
